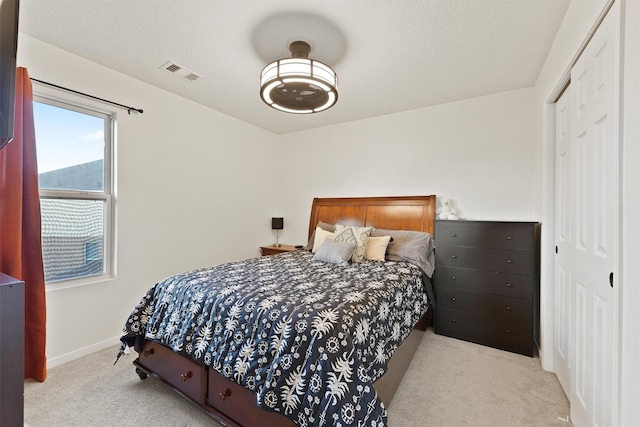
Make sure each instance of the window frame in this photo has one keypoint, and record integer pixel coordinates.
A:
(74, 103)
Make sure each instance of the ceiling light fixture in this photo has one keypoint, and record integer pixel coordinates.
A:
(298, 85)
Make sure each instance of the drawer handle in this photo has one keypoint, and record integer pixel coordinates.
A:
(453, 277)
(509, 261)
(509, 285)
(454, 256)
(453, 298)
(223, 395)
(508, 331)
(454, 235)
(453, 320)
(148, 353)
(508, 237)
(508, 308)
(186, 376)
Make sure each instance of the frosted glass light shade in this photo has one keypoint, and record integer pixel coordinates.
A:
(298, 85)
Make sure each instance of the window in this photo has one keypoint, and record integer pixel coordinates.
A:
(74, 145)
(92, 252)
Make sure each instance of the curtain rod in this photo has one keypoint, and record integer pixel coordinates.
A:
(126, 107)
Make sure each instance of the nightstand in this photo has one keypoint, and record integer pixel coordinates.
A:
(273, 250)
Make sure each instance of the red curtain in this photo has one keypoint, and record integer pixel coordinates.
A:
(20, 237)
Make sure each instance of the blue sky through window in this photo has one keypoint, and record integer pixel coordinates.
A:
(65, 137)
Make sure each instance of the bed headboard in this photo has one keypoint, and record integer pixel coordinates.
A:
(396, 213)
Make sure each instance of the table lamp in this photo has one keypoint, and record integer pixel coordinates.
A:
(277, 224)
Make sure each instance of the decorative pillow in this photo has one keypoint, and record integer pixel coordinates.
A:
(324, 226)
(357, 235)
(319, 237)
(335, 252)
(415, 247)
(376, 248)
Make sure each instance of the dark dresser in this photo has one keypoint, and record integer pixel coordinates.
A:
(11, 351)
(487, 283)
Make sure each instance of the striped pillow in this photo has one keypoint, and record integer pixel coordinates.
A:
(357, 235)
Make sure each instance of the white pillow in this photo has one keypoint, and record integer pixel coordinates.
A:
(318, 240)
(376, 248)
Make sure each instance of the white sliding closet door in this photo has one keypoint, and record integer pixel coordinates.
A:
(587, 232)
(565, 200)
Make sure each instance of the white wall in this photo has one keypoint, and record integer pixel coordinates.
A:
(630, 272)
(194, 188)
(477, 152)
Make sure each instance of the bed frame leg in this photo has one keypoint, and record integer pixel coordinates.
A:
(142, 374)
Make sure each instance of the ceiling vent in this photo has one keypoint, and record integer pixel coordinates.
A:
(179, 71)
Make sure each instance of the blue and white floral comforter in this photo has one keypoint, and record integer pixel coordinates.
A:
(308, 337)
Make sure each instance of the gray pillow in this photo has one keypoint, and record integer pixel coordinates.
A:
(324, 226)
(335, 252)
(415, 247)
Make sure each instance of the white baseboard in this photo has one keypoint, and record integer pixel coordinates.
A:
(76, 354)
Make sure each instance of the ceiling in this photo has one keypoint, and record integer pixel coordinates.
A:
(390, 56)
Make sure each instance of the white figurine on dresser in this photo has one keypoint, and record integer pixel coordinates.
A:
(446, 210)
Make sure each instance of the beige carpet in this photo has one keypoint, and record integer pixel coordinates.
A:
(449, 383)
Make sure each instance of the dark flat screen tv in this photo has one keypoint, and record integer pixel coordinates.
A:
(8, 49)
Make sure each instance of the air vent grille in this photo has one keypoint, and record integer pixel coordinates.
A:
(179, 71)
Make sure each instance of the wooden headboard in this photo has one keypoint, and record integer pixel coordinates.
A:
(396, 213)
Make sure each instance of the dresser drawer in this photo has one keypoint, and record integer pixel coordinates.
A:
(512, 336)
(506, 261)
(496, 283)
(493, 235)
(182, 373)
(494, 306)
(239, 403)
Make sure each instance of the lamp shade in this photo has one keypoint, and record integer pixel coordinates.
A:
(277, 223)
(299, 85)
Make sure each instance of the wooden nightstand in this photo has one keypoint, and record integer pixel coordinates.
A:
(272, 250)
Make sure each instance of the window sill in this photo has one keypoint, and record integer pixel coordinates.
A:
(83, 281)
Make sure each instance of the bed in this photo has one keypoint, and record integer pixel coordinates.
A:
(288, 339)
